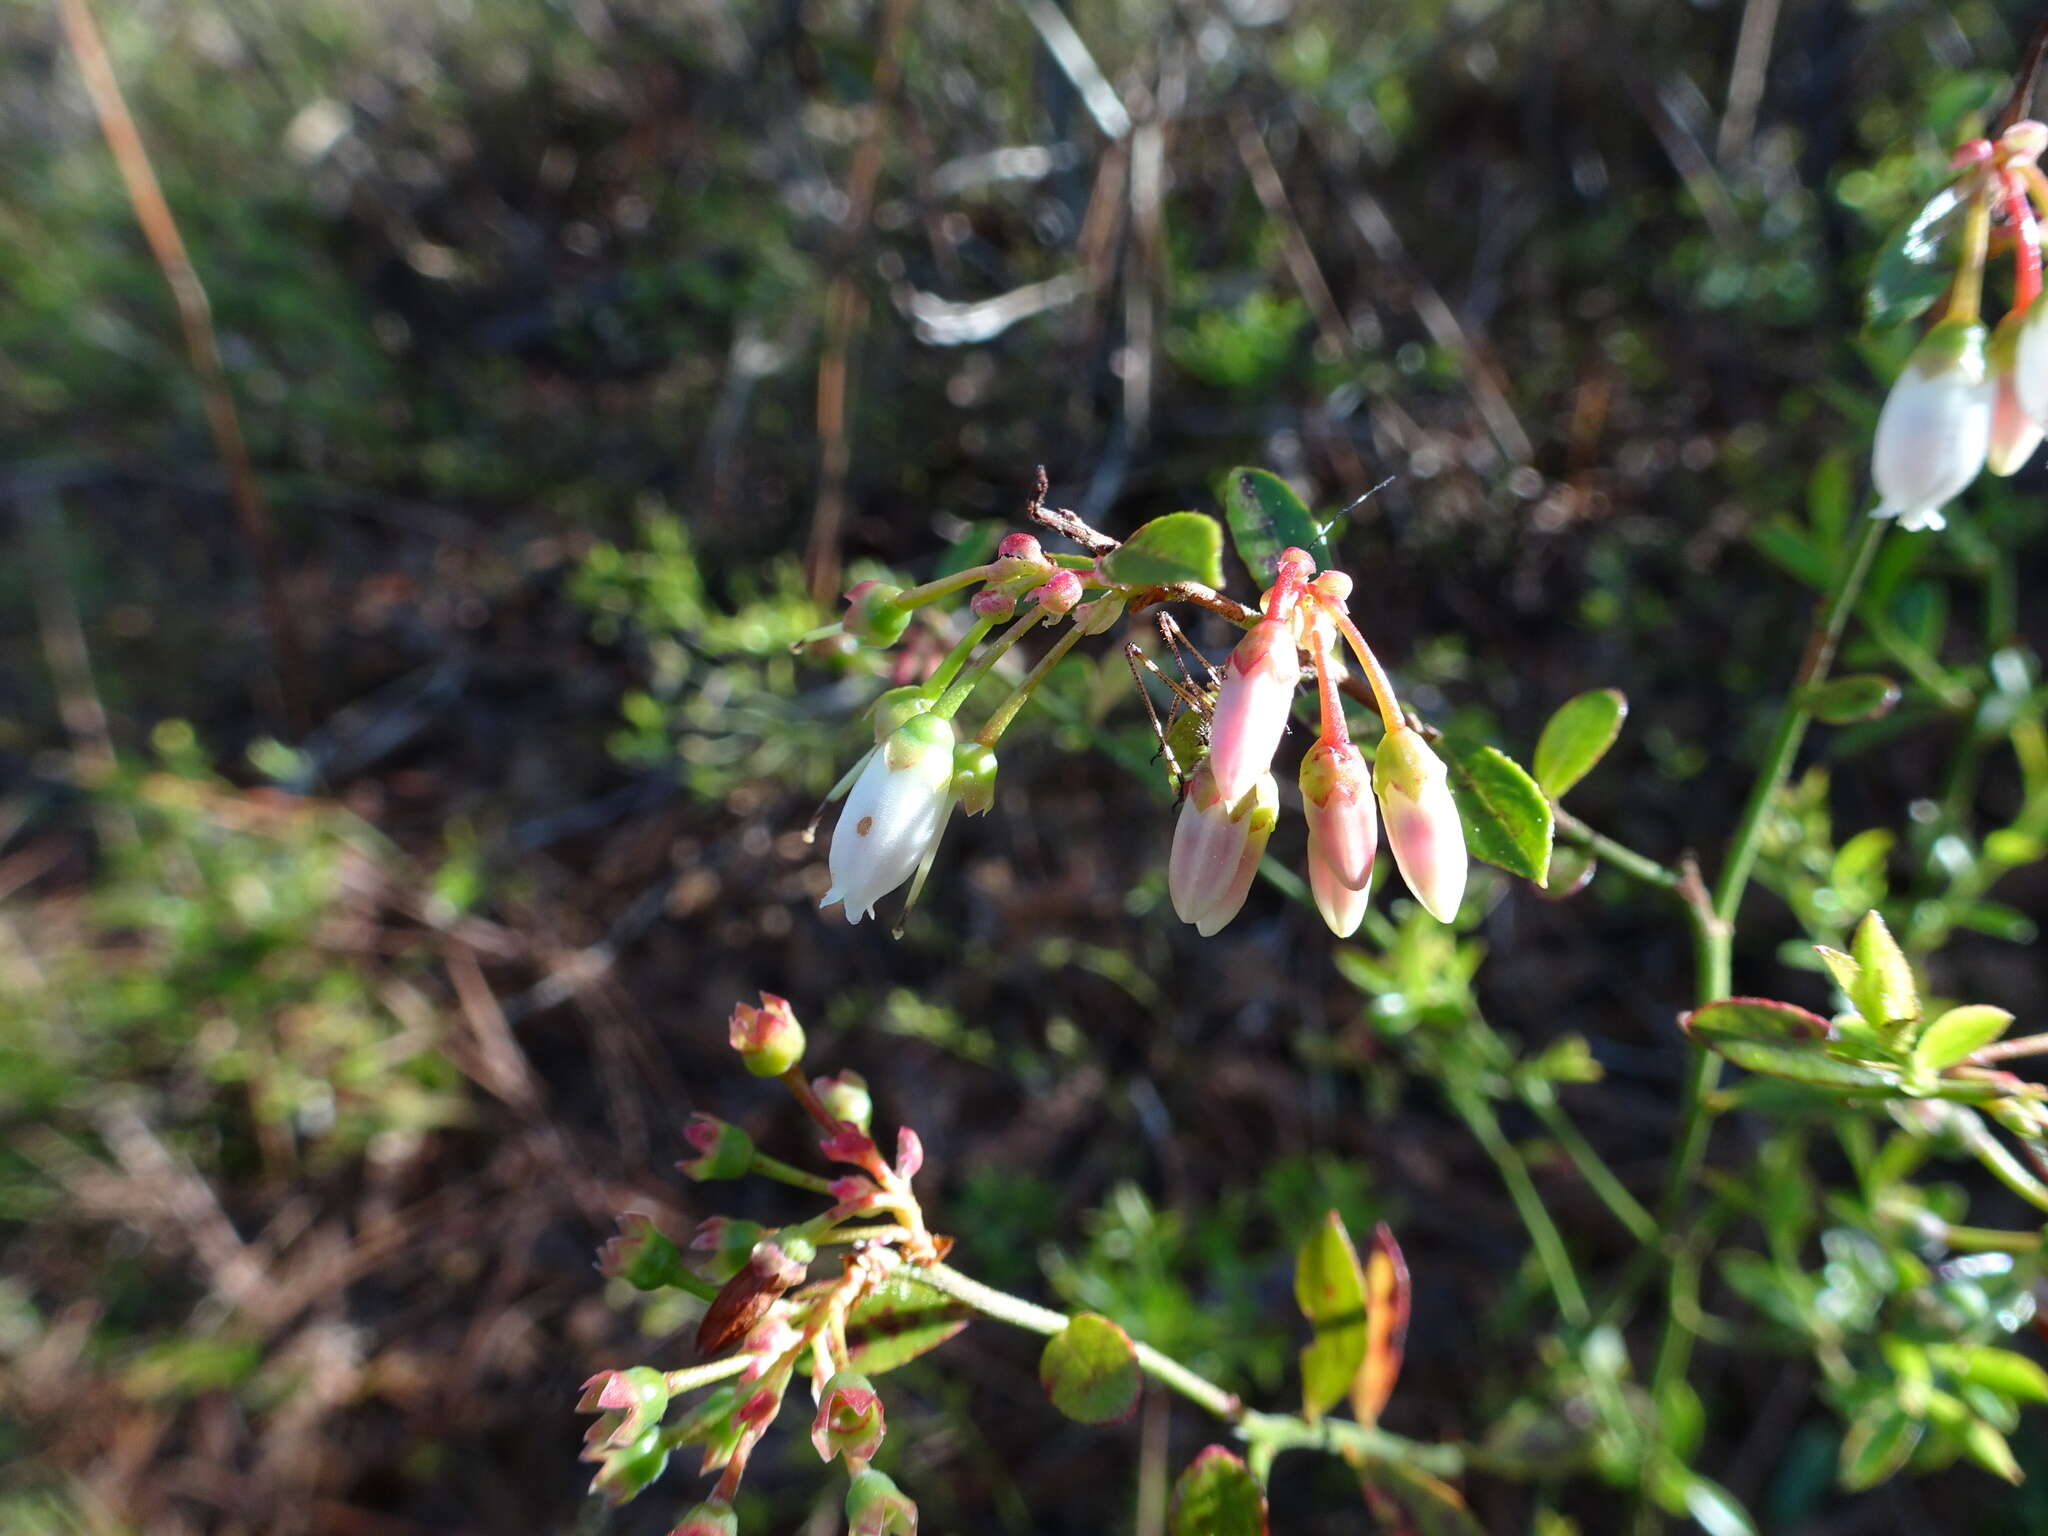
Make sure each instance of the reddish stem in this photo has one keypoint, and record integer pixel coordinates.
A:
(2026, 250)
(1336, 729)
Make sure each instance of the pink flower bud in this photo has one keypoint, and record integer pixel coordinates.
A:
(1021, 546)
(1207, 847)
(989, 603)
(893, 813)
(1337, 804)
(1343, 908)
(1422, 821)
(708, 1520)
(1251, 706)
(768, 1038)
(723, 1151)
(849, 1421)
(2023, 142)
(1260, 812)
(909, 1153)
(848, 1144)
(641, 1255)
(875, 1507)
(638, 1396)
(1935, 428)
(1059, 594)
(1334, 585)
(845, 1097)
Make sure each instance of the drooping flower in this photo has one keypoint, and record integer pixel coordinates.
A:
(850, 1420)
(2030, 363)
(769, 1039)
(892, 814)
(875, 1506)
(1251, 707)
(1337, 804)
(1343, 908)
(2015, 433)
(1208, 845)
(1935, 429)
(1259, 811)
(1422, 821)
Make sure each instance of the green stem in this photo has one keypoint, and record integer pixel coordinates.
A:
(1990, 1240)
(1636, 865)
(775, 1168)
(1600, 1178)
(690, 1378)
(1551, 1253)
(1966, 297)
(912, 597)
(956, 658)
(999, 722)
(957, 693)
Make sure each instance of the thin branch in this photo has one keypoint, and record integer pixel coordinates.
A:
(2025, 80)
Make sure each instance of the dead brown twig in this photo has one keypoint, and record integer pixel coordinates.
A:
(195, 317)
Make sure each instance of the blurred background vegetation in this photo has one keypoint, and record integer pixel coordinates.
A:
(583, 348)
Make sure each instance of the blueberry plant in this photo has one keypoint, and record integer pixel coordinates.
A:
(1907, 1316)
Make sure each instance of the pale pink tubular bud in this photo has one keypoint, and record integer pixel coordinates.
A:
(894, 811)
(1251, 706)
(1422, 821)
(1259, 811)
(1935, 428)
(1343, 908)
(1337, 804)
(2030, 362)
(1207, 848)
(2014, 433)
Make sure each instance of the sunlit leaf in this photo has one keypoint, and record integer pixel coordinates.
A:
(1090, 1370)
(1181, 546)
(1217, 1496)
(1577, 737)
(1265, 518)
(1754, 1018)
(1329, 1287)
(898, 1321)
(1386, 1326)
(1809, 1065)
(1917, 264)
(1507, 820)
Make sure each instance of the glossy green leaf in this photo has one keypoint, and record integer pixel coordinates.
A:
(1885, 991)
(1507, 819)
(1916, 265)
(1090, 1370)
(1217, 1496)
(1714, 1509)
(1265, 518)
(1404, 1499)
(1957, 1033)
(1181, 546)
(1845, 700)
(1810, 1065)
(2012, 1375)
(1880, 1439)
(1842, 967)
(1988, 1448)
(898, 1321)
(1329, 1287)
(1577, 737)
(1754, 1018)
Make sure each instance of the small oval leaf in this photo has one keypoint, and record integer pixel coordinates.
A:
(2002, 1370)
(1809, 1065)
(1217, 1496)
(1577, 737)
(898, 1321)
(1916, 265)
(1958, 1032)
(1181, 546)
(1265, 518)
(1090, 1370)
(1329, 1286)
(1880, 1439)
(1753, 1018)
(1845, 700)
(1508, 822)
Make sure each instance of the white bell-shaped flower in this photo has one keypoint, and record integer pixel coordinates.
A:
(1935, 428)
(2030, 363)
(1422, 821)
(893, 813)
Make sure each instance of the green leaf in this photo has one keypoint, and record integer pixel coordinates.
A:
(1507, 820)
(1714, 1509)
(1266, 517)
(1181, 546)
(898, 1321)
(1217, 1496)
(1090, 1370)
(1404, 1499)
(1916, 265)
(1577, 737)
(1753, 1018)
(1329, 1286)
(1842, 967)
(1957, 1033)
(1792, 550)
(2003, 1371)
(1809, 1065)
(1845, 700)
(1987, 1447)
(1880, 1439)
(1885, 991)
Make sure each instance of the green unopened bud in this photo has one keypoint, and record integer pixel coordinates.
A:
(897, 706)
(974, 777)
(723, 1151)
(876, 1507)
(640, 1255)
(728, 1241)
(708, 1520)
(846, 1097)
(873, 616)
(768, 1038)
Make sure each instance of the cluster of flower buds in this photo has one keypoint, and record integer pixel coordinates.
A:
(1232, 799)
(1971, 398)
(767, 1324)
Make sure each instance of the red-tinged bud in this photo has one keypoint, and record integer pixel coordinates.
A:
(1334, 587)
(1294, 565)
(1059, 594)
(625, 1468)
(876, 1507)
(2023, 143)
(848, 1144)
(854, 1187)
(640, 1255)
(639, 1397)
(845, 1097)
(896, 706)
(1260, 812)
(1422, 821)
(744, 1300)
(728, 1242)
(709, 1520)
(909, 1153)
(989, 603)
(873, 616)
(768, 1038)
(1337, 804)
(1343, 909)
(1208, 845)
(1021, 546)
(974, 777)
(849, 1421)
(1251, 707)
(723, 1151)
